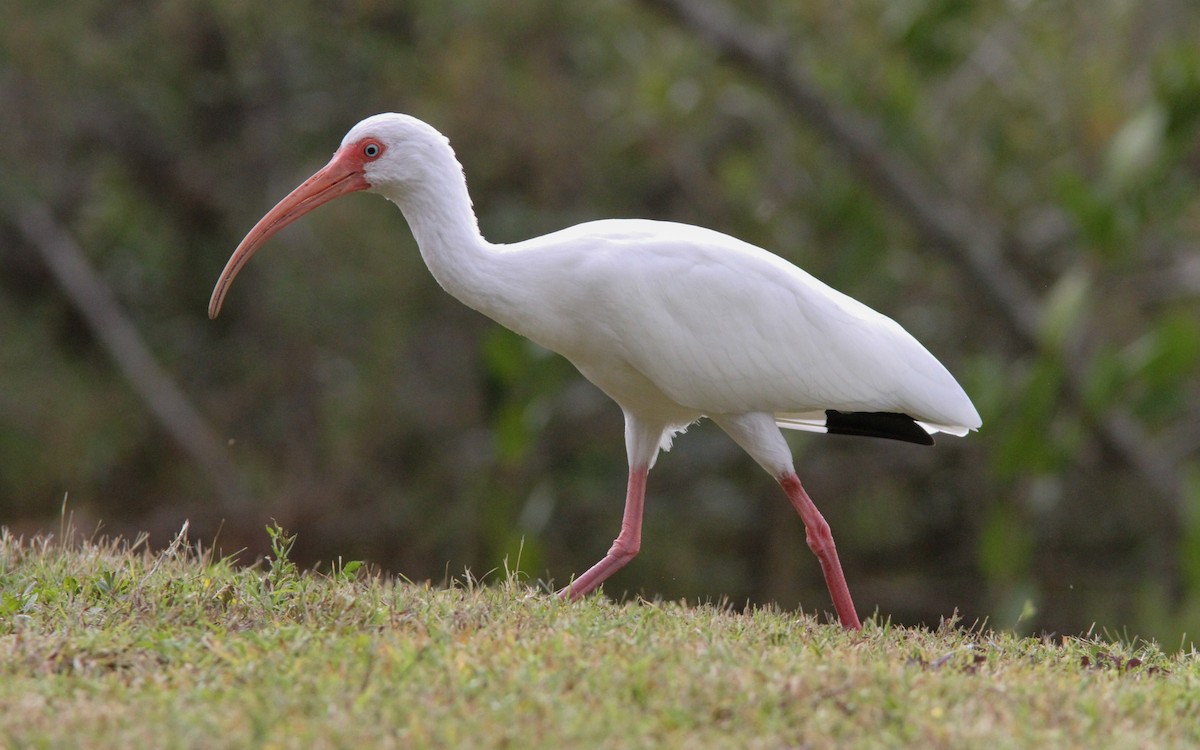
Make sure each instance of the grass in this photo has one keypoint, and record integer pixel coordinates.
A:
(108, 644)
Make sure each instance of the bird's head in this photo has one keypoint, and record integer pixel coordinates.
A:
(386, 153)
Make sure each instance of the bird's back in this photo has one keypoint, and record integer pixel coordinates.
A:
(720, 326)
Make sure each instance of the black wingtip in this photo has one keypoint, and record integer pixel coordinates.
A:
(880, 424)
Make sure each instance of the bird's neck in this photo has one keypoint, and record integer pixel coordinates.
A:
(442, 221)
(488, 278)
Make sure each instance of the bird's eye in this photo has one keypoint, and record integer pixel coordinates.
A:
(371, 150)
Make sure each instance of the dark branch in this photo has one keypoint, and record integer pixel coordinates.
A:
(119, 336)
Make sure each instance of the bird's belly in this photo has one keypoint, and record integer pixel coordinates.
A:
(634, 392)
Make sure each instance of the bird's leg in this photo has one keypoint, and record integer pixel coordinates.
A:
(820, 541)
(758, 434)
(626, 546)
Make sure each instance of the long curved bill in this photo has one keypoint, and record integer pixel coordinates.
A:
(343, 174)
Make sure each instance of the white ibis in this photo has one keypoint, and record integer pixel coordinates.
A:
(672, 321)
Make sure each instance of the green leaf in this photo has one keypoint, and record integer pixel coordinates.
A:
(1064, 308)
(1005, 545)
(1027, 442)
(1136, 149)
(1103, 222)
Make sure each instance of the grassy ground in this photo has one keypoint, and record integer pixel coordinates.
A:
(106, 644)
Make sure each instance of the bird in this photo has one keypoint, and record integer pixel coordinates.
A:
(673, 322)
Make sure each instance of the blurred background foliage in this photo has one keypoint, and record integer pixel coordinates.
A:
(353, 401)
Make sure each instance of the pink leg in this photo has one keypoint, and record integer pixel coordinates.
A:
(820, 541)
(626, 546)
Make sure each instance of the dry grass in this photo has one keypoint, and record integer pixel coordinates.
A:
(106, 644)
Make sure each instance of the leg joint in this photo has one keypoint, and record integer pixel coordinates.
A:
(624, 549)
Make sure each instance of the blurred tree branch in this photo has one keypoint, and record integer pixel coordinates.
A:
(119, 336)
(970, 239)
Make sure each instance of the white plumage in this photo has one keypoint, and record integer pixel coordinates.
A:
(673, 322)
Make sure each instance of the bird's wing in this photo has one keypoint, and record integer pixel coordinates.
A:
(722, 326)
